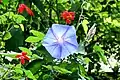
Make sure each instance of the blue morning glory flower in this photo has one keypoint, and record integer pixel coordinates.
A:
(60, 41)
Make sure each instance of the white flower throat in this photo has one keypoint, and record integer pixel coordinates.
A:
(60, 40)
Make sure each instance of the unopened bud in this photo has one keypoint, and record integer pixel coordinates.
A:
(91, 32)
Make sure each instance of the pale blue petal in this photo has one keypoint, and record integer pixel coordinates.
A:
(53, 50)
(50, 34)
(70, 32)
(72, 40)
(48, 41)
(72, 48)
(59, 30)
(57, 52)
(60, 52)
(65, 52)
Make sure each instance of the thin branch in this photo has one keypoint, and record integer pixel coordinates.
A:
(80, 16)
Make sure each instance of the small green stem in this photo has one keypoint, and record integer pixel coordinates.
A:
(78, 23)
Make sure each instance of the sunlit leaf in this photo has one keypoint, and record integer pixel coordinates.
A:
(18, 69)
(37, 33)
(7, 36)
(85, 27)
(32, 39)
(29, 74)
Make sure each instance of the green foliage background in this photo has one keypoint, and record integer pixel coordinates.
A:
(21, 32)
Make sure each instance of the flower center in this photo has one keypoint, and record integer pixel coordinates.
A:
(22, 57)
(60, 40)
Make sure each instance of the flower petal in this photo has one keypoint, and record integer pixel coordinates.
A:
(54, 50)
(48, 41)
(72, 40)
(27, 58)
(50, 34)
(29, 11)
(22, 61)
(68, 21)
(65, 52)
(18, 56)
(59, 29)
(24, 53)
(57, 52)
(70, 33)
(70, 47)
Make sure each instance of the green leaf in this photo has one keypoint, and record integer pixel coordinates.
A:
(62, 1)
(35, 56)
(16, 26)
(25, 50)
(16, 40)
(32, 39)
(108, 20)
(29, 74)
(34, 66)
(47, 77)
(87, 60)
(87, 6)
(49, 67)
(57, 68)
(7, 36)
(18, 66)
(5, 2)
(75, 6)
(21, 26)
(37, 33)
(82, 70)
(39, 4)
(18, 69)
(85, 27)
(61, 70)
(100, 53)
(19, 18)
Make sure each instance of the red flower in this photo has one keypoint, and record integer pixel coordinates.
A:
(68, 21)
(23, 7)
(23, 56)
(68, 16)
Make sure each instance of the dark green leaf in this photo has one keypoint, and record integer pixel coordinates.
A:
(16, 40)
(34, 66)
(61, 70)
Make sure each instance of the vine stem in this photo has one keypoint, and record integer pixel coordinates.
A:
(78, 23)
